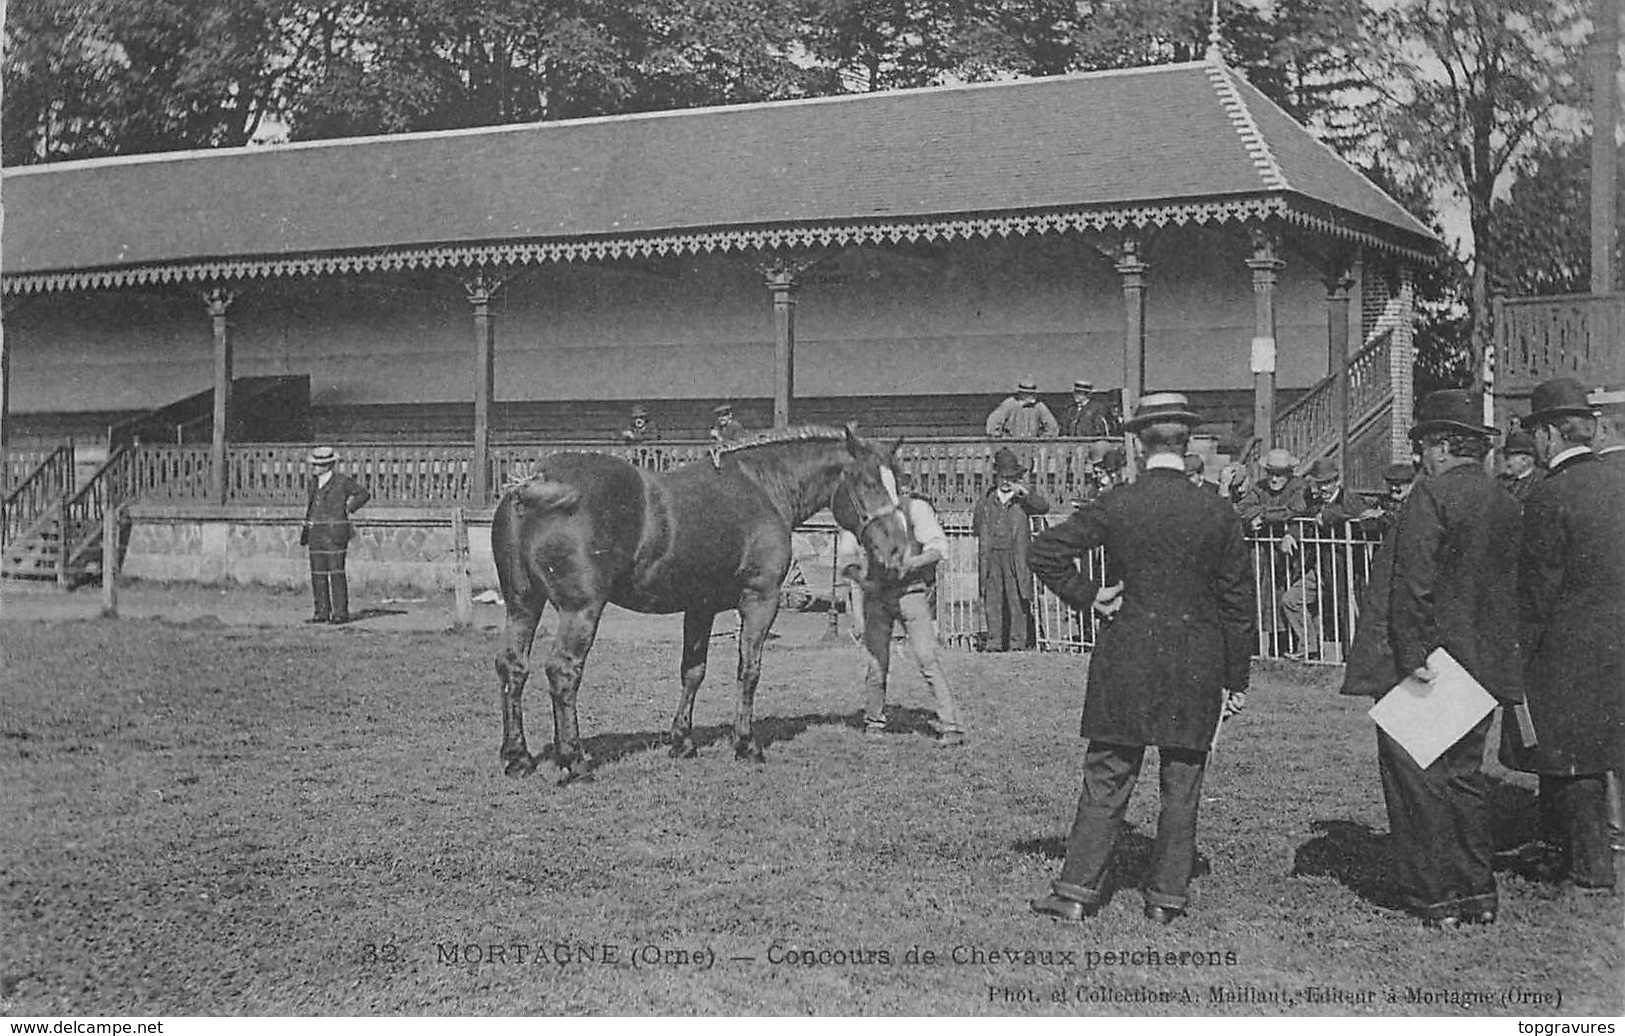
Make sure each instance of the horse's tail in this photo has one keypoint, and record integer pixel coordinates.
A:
(544, 495)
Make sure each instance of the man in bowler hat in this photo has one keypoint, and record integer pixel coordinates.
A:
(1453, 587)
(1520, 469)
(334, 496)
(1173, 659)
(1003, 531)
(1571, 592)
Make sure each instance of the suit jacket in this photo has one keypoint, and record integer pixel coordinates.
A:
(1520, 488)
(1096, 418)
(1185, 631)
(1275, 508)
(1571, 587)
(1455, 579)
(1014, 516)
(327, 514)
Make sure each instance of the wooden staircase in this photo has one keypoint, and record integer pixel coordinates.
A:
(64, 542)
(1309, 428)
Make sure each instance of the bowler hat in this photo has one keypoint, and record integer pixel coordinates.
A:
(1162, 407)
(323, 455)
(1519, 441)
(1611, 403)
(1082, 385)
(1399, 473)
(640, 411)
(1280, 462)
(1114, 459)
(723, 409)
(1556, 398)
(1324, 469)
(1007, 465)
(1027, 385)
(1451, 410)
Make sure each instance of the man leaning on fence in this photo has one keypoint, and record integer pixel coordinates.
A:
(1571, 586)
(334, 496)
(1172, 661)
(1453, 586)
(1023, 415)
(1269, 508)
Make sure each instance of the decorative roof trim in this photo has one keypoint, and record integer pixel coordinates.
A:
(1298, 213)
(1252, 138)
(730, 239)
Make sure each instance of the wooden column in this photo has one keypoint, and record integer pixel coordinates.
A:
(1266, 264)
(5, 388)
(1604, 156)
(1339, 285)
(481, 288)
(1402, 367)
(1131, 266)
(781, 277)
(218, 301)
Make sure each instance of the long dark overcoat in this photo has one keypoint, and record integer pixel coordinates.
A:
(1571, 577)
(1455, 579)
(1185, 631)
(1014, 516)
(328, 511)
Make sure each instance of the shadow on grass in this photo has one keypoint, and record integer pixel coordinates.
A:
(1131, 858)
(769, 730)
(1353, 854)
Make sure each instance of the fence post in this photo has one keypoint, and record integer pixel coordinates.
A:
(110, 562)
(462, 592)
(832, 631)
(63, 539)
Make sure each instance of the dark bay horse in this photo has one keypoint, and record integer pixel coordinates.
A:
(590, 529)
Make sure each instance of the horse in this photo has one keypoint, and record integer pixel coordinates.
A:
(590, 529)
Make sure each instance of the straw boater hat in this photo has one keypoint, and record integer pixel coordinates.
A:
(1324, 469)
(723, 409)
(1027, 385)
(1452, 410)
(322, 456)
(1280, 462)
(1007, 465)
(1162, 408)
(1399, 473)
(1557, 398)
(1083, 385)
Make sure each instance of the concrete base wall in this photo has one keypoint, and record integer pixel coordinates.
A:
(400, 547)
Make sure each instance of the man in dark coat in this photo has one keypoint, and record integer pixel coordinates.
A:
(1571, 587)
(724, 427)
(1003, 533)
(1453, 587)
(1269, 508)
(1088, 416)
(1173, 660)
(640, 427)
(333, 498)
(1520, 468)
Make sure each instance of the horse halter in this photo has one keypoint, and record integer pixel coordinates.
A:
(867, 517)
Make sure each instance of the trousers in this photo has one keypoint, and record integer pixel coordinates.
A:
(882, 609)
(1109, 775)
(1008, 614)
(1439, 826)
(329, 585)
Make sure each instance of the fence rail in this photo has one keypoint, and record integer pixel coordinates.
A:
(51, 477)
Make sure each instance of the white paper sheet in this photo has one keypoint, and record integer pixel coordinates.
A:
(1427, 718)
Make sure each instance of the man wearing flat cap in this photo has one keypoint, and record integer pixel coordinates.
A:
(1452, 586)
(1571, 594)
(1023, 415)
(1003, 530)
(724, 428)
(1174, 658)
(334, 496)
(1520, 469)
(1089, 417)
(640, 427)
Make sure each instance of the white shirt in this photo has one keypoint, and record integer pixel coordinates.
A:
(923, 524)
(1559, 458)
(324, 478)
(1165, 460)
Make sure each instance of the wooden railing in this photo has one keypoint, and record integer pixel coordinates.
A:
(20, 462)
(1308, 428)
(35, 494)
(80, 518)
(170, 473)
(1556, 336)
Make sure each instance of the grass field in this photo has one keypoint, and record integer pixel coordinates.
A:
(204, 819)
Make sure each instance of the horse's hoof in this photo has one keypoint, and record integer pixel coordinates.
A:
(684, 749)
(580, 770)
(749, 751)
(520, 765)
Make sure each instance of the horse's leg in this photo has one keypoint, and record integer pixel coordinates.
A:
(513, 669)
(697, 623)
(577, 629)
(756, 613)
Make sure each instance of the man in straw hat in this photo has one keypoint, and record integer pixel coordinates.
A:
(1571, 590)
(1452, 586)
(1003, 532)
(1090, 416)
(1173, 660)
(1023, 415)
(333, 498)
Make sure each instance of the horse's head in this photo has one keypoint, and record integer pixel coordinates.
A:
(866, 503)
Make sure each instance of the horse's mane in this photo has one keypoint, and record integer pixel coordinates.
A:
(803, 433)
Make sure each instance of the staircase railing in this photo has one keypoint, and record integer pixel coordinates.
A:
(35, 494)
(1309, 428)
(82, 513)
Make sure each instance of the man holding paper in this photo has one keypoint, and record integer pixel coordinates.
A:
(1454, 588)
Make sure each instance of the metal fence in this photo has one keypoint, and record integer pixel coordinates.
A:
(1306, 589)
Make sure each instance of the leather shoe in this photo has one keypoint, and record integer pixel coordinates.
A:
(341, 620)
(1161, 914)
(1062, 908)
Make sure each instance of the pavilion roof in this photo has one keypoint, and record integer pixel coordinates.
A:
(1171, 144)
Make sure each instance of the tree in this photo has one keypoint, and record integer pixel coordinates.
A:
(1471, 86)
(1541, 230)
